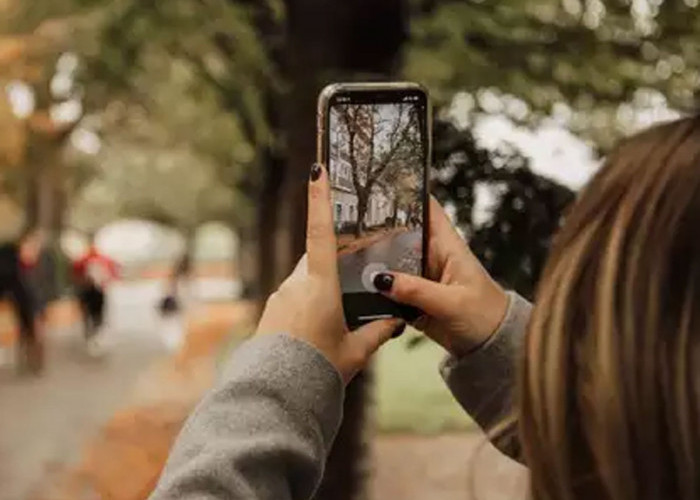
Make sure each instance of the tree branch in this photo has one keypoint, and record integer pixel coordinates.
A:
(352, 131)
(395, 144)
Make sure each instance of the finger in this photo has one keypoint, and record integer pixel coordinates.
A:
(441, 227)
(302, 267)
(320, 236)
(301, 270)
(444, 240)
(370, 337)
(434, 299)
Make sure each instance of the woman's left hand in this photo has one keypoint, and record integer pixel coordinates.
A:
(308, 304)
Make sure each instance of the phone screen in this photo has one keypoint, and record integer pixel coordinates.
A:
(377, 151)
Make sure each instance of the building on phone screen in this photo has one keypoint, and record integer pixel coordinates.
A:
(379, 206)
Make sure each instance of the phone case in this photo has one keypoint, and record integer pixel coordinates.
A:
(324, 100)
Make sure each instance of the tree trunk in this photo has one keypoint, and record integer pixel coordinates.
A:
(327, 40)
(348, 469)
(46, 203)
(46, 186)
(361, 213)
(395, 212)
(270, 268)
(247, 263)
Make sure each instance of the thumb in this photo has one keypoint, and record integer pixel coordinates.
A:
(368, 338)
(434, 299)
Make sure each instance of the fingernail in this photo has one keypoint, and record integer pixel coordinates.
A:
(315, 172)
(398, 331)
(383, 282)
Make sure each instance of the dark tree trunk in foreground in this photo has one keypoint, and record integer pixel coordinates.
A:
(348, 469)
(326, 40)
(246, 263)
(270, 268)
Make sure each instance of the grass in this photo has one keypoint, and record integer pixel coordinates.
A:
(410, 395)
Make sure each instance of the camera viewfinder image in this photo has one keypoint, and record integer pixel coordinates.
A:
(377, 176)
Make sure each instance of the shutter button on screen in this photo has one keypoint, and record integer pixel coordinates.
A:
(368, 274)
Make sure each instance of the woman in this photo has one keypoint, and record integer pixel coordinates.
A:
(172, 307)
(93, 272)
(609, 389)
(606, 395)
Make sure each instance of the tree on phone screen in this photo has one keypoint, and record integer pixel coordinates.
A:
(378, 141)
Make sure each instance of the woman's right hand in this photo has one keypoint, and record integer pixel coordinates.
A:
(463, 305)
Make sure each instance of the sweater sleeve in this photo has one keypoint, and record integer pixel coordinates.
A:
(483, 381)
(264, 432)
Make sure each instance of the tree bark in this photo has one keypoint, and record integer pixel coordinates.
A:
(269, 266)
(247, 263)
(348, 469)
(46, 201)
(327, 40)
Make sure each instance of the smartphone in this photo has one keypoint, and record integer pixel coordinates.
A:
(375, 141)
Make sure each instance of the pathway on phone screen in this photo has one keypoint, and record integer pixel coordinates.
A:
(398, 251)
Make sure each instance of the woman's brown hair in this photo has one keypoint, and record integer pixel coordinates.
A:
(609, 392)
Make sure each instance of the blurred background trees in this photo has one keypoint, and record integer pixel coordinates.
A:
(187, 111)
(528, 207)
(259, 65)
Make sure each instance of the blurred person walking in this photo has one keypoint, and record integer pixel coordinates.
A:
(596, 390)
(92, 273)
(16, 261)
(172, 307)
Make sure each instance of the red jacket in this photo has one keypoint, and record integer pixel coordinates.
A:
(95, 268)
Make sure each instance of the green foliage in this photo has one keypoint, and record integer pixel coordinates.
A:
(514, 244)
(205, 75)
(163, 77)
(21, 18)
(216, 40)
(592, 55)
(171, 186)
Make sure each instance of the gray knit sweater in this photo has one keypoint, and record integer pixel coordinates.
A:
(264, 432)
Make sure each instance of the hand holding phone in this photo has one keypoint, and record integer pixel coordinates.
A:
(463, 305)
(307, 306)
(375, 141)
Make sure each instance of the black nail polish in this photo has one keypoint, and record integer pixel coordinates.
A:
(398, 331)
(383, 282)
(315, 172)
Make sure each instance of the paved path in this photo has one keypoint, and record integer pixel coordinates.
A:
(399, 251)
(44, 421)
(446, 467)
